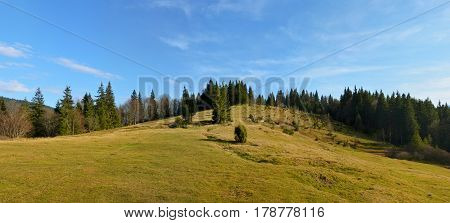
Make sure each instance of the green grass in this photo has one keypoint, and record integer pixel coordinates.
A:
(153, 163)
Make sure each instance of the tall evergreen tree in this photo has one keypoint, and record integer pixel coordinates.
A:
(37, 114)
(112, 115)
(141, 109)
(251, 96)
(152, 108)
(134, 108)
(90, 122)
(222, 108)
(67, 121)
(101, 108)
(188, 105)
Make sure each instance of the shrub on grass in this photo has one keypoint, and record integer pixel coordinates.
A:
(240, 134)
(179, 123)
(288, 131)
(296, 125)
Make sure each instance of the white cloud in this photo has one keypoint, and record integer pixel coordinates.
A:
(13, 86)
(184, 43)
(298, 60)
(184, 6)
(14, 64)
(251, 7)
(85, 69)
(436, 89)
(341, 70)
(15, 51)
(180, 43)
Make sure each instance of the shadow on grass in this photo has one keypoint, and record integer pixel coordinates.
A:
(211, 138)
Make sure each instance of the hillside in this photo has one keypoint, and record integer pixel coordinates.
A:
(150, 162)
(11, 101)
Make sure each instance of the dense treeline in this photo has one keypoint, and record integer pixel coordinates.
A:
(397, 118)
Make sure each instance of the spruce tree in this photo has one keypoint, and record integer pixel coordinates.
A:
(152, 108)
(134, 108)
(187, 106)
(90, 122)
(222, 108)
(37, 114)
(112, 119)
(141, 109)
(101, 108)
(67, 121)
(251, 96)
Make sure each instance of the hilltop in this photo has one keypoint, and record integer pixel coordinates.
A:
(322, 162)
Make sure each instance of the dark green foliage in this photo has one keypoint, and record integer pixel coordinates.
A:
(179, 123)
(112, 115)
(296, 125)
(141, 109)
(90, 119)
(152, 108)
(240, 134)
(67, 115)
(188, 106)
(288, 131)
(37, 114)
(270, 100)
(221, 108)
(101, 108)
(251, 96)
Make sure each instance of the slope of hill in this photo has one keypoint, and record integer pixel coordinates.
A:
(150, 162)
(11, 101)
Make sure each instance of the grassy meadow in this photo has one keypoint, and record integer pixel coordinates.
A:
(150, 162)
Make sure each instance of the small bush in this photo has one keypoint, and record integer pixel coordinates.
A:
(240, 134)
(288, 131)
(253, 118)
(179, 123)
(296, 125)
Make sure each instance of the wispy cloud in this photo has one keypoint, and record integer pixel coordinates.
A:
(182, 5)
(13, 86)
(14, 50)
(179, 42)
(184, 42)
(85, 69)
(436, 89)
(341, 70)
(14, 64)
(296, 61)
(252, 7)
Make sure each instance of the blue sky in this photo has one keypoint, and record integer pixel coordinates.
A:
(224, 38)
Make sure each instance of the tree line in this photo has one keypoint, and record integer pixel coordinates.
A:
(397, 118)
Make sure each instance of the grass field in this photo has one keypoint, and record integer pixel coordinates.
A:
(153, 163)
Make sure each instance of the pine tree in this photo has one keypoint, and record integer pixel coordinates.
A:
(152, 108)
(270, 100)
(101, 108)
(112, 116)
(67, 121)
(222, 108)
(141, 109)
(251, 96)
(37, 114)
(165, 106)
(90, 122)
(134, 108)
(188, 105)
(411, 128)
